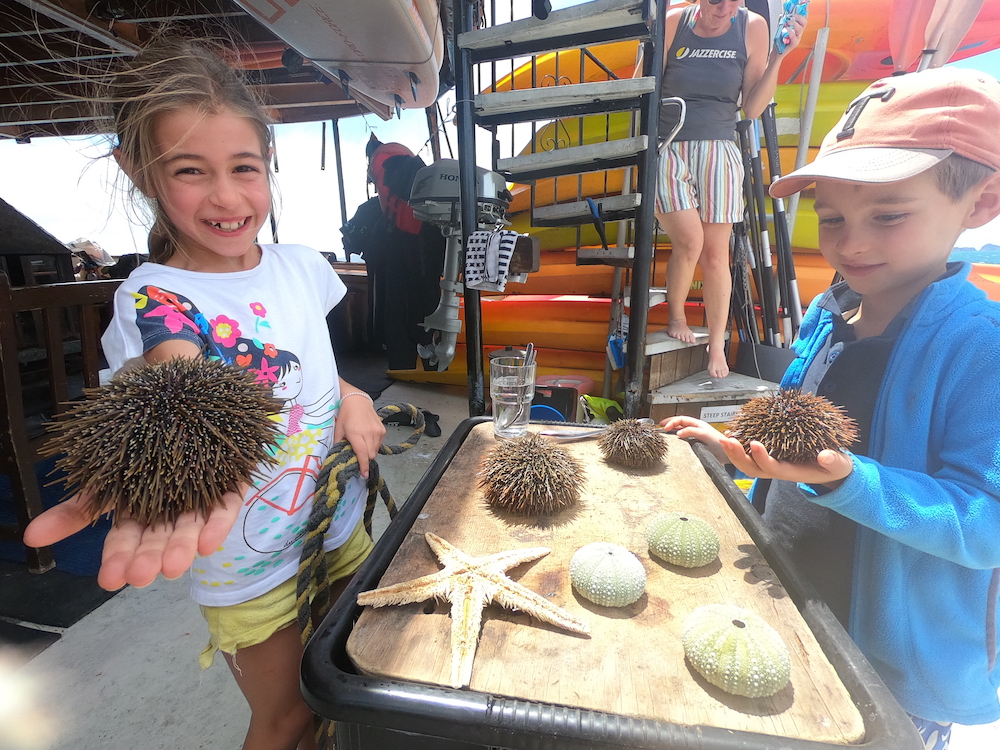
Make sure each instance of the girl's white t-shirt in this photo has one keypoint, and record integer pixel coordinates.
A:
(270, 320)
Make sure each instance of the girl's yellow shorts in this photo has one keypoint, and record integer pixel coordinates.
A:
(249, 623)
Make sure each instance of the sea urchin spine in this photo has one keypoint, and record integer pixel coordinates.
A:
(530, 476)
(793, 425)
(634, 444)
(166, 438)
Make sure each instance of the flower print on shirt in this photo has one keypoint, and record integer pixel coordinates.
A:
(225, 331)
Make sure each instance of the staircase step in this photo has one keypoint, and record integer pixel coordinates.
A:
(715, 400)
(657, 296)
(613, 256)
(661, 342)
(613, 208)
(594, 157)
(550, 102)
(597, 22)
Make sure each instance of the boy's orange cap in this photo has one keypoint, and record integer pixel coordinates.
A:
(903, 125)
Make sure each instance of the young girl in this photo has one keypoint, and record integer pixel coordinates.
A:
(196, 145)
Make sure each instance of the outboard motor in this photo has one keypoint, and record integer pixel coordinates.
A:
(435, 198)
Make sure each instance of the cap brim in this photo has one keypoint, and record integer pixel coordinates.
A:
(860, 165)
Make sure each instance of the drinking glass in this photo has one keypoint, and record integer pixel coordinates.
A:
(512, 387)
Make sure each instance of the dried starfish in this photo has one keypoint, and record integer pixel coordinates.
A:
(470, 583)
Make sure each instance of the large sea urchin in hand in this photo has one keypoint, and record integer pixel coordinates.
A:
(793, 426)
(167, 438)
(530, 476)
(634, 444)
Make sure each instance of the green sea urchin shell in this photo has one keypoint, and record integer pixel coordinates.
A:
(607, 574)
(683, 539)
(736, 650)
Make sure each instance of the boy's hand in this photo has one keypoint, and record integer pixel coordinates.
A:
(361, 426)
(830, 469)
(696, 429)
(135, 554)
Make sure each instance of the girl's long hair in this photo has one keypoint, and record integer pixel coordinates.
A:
(171, 72)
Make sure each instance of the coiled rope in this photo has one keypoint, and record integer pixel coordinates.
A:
(312, 588)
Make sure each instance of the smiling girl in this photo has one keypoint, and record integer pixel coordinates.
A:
(197, 148)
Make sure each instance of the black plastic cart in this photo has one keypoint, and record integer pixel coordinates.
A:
(372, 712)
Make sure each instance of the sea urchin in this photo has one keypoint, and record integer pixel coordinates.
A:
(794, 426)
(736, 650)
(682, 539)
(634, 444)
(166, 438)
(529, 476)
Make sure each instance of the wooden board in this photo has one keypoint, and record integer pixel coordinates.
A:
(632, 664)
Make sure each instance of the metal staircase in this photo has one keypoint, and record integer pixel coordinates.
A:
(598, 22)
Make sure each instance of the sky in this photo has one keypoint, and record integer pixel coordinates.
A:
(65, 186)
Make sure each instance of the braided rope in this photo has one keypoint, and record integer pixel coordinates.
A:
(312, 588)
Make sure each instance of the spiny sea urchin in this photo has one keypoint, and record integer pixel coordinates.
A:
(794, 426)
(634, 444)
(529, 476)
(167, 438)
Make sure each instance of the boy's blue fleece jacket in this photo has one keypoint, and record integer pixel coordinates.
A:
(927, 498)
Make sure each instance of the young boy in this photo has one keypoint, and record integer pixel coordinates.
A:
(901, 536)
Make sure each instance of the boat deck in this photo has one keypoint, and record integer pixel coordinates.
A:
(127, 674)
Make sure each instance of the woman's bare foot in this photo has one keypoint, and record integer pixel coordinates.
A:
(679, 330)
(718, 367)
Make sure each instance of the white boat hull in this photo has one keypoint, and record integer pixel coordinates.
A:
(389, 51)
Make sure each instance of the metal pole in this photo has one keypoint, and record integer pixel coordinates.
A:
(340, 177)
(467, 187)
(635, 361)
(806, 121)
(432, 131)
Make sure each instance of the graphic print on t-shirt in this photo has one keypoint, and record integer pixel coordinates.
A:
(271, 519)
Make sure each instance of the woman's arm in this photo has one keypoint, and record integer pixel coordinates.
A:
(358, 423)
(760, 78)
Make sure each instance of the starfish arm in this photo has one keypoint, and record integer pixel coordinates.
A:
(406, 592)
(448, 554)
(446, 551)
(515, 596)
(504, 561)
(468, 598)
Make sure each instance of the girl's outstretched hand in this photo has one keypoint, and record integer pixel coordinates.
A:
(830, 468)
(361, 426)
(696, 429)
(135, 554)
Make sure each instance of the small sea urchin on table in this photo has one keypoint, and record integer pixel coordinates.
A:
(164, 439)
(633, 444)
(530, 476)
